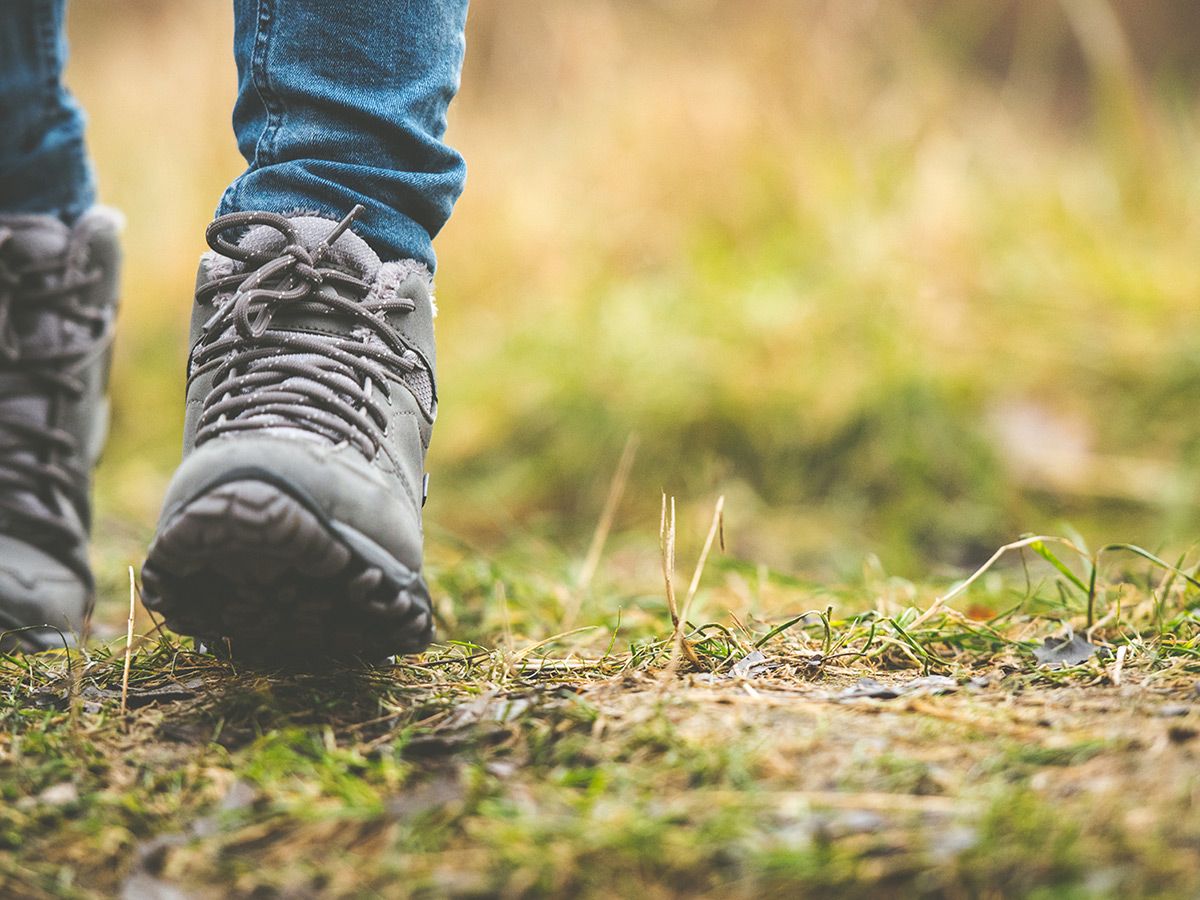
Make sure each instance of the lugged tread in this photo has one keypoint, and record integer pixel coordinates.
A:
(248, 566)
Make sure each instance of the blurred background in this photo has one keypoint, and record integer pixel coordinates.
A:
(903, 280)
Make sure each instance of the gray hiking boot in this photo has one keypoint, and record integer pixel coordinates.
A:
(58, 301)
(292, 530)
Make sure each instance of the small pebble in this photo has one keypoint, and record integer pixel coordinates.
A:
(1172, 710)
(1180, 734)
(58, 794)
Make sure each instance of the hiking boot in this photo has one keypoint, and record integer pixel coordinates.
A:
(58, 303)
(291, 532)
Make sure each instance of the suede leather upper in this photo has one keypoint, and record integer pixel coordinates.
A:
(379, 497)
(45, 580)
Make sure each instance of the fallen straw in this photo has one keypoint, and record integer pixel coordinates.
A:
(128, 645)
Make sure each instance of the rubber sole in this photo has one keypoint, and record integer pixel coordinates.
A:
(251, 570)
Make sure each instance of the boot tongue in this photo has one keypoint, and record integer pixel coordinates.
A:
(348, 252)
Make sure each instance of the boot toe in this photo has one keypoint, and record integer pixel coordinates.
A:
(42, 602)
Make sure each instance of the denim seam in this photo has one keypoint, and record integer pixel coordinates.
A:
(264, 147)
(47, 56)
(63, 200)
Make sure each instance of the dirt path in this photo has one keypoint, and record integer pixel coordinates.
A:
(472, 774)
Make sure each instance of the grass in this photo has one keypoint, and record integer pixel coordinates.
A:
(901, 282)
(885, 299)
(516, 761)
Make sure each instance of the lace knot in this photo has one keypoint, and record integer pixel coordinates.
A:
(334, 385)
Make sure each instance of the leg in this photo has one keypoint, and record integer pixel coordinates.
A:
(292, 530)
(345, 103)
(43, 163)
(58, 265)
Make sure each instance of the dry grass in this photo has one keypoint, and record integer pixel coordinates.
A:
(898, 280)
(592, 764)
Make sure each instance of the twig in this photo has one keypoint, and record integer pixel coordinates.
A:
(128, 644)
(718, 523)
(869, 800)
(666, 543)
(1119, 665)
(940, 602)
(682, 644)
(521, 654)
(666, 534)
(616, 490)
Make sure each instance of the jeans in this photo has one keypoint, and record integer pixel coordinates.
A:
(338, 103)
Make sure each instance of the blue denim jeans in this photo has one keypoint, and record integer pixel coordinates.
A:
(338, 103)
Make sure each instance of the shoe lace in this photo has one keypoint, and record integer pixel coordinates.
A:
(333, 385)
(38, 461)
